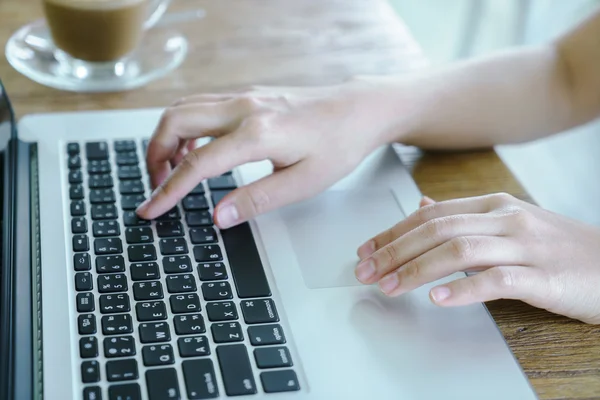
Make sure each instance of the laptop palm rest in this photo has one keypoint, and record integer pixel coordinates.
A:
(326, 231)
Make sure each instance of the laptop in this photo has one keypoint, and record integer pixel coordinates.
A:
(98, 304)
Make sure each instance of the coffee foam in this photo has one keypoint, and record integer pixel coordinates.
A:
(95, 4)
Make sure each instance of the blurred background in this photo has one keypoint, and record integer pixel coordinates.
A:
(557, 171)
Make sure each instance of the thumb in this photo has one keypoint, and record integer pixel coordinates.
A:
(425, 201)
(283, 187)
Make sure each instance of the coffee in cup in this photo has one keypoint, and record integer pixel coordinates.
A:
(98, 30)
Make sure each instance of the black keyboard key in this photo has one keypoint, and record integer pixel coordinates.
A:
(158, 355)
(173, 246)
(273, 357)
(227, 332)
(79, 225)
(263, 335)
(141, 252)
(81, 262)
(212, 271)
(108, 246)
(189, 324)
(96, 151)
(139, 235)
(129, 391)
(162, 384)
(121, 370)
(193, 346)
(88, 347)
(169, 229)
(203, 235)
(75, 176)
(177, 264)
(124, 145)
(154, 332)
(83, 281)
(114, 303)
(101, 181)
(259, 311)
(204, 388)
(104, 211)
(99, 196)
(127, 158)
(77, 208)
(76, 192)
(144, 271)
(98, 167)
(216, 291)
(85, 302)
(72, 148)
(195, 203)
(86, 324)
(110, 283)
(151, 311)
(121, 346)
(221, 311)
(208, 253)
(129, 172)
(184, 303)
(148, 290)
(236, 370)
(279, 381)
(130, 218)
(145, 144)
(106, 228)
(74, 162)
(131, 187)
(199, 218)
(92, 393)
(171, 215)
(90, 371)
(181, 283)
(81, 243)
(106, 264)
(244, 261)
(222, 182)
(132, 201)
(199, 189)
(118, 324)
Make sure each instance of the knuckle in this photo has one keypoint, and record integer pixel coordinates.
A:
(258, 128)
(390, 254)
(249, 104)
(169, 117)
(189, 161)
(520, 219)
(413, 269)
(424, 214)
(435, 227)
(259, 200)
(504, 278)
(461, 248)
(502, 199)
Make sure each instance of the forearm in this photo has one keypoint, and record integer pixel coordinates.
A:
(508, 98)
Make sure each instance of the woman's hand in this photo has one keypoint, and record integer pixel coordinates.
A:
(521, 252)
(312, 136)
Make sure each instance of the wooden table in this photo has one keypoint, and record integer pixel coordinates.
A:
(311, 42)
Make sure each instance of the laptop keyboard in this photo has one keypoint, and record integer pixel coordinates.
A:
(171, 308)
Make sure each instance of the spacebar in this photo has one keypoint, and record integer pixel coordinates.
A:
(244, 260)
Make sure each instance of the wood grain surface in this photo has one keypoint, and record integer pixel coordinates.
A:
(317, 42)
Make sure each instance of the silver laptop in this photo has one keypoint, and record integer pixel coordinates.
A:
(98, 304)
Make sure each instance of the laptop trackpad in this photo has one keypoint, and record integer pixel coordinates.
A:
(327, 230)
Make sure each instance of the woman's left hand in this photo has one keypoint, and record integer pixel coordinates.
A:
(520, 251)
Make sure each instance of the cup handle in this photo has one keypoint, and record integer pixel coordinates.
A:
(157, 9)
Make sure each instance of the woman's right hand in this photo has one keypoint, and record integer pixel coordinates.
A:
(312, 136)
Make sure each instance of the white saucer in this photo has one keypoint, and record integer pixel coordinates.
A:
(31, 52)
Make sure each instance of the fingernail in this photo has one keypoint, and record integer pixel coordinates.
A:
(366, 249)
(142, 207)
(365, 270)
(429, 199)
(440, 293)
(228, 216)
(388, 283)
